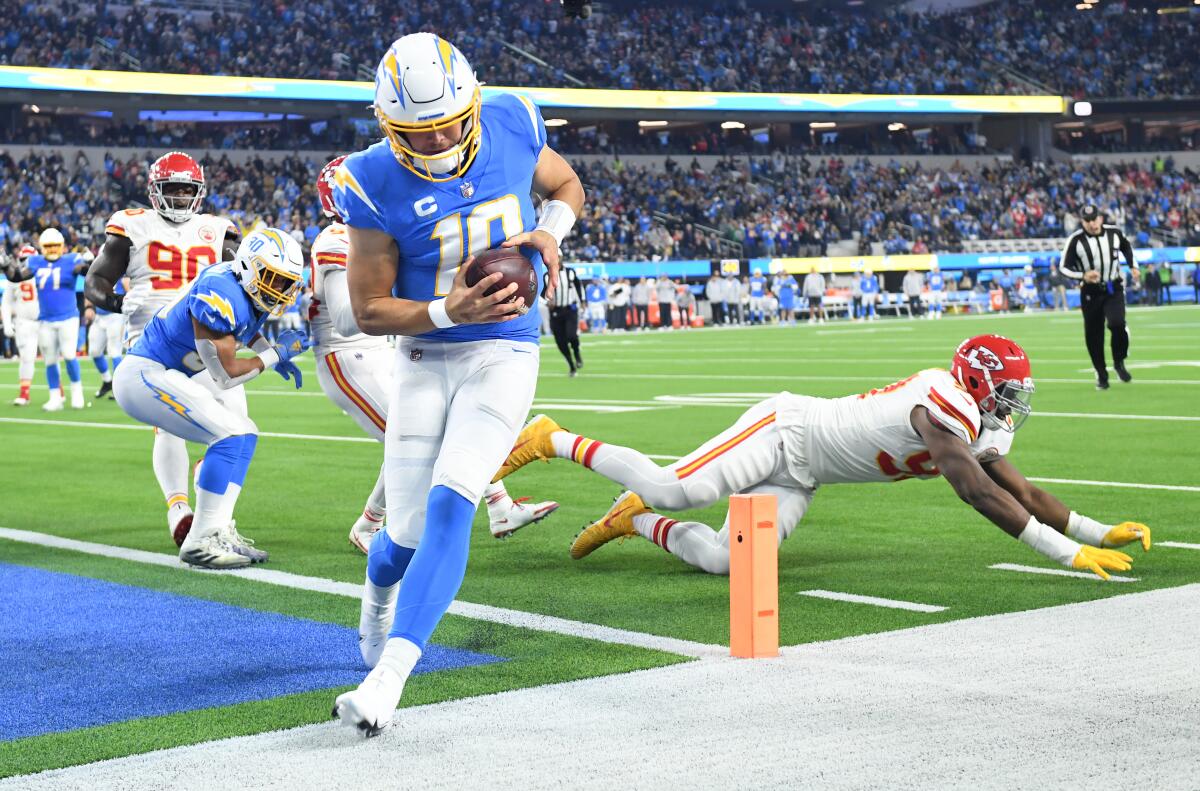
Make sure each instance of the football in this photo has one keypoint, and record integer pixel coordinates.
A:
(515, 267)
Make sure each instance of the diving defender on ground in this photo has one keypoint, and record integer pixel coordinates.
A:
(183, 376)
(355, 372)
(957, 423)
(161, 252)
(451, 179)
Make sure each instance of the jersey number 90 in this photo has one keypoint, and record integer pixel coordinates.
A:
(173, 268)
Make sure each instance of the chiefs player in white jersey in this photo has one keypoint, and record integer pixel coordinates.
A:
(957, 423)
(20, 312)
(161, 252)
(355, 371)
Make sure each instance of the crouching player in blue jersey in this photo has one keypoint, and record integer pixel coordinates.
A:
(184, 377)
(452, 178)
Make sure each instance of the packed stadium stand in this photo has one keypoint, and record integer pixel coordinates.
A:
(1019, 47)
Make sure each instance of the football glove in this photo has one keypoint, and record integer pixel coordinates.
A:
(1098, 560)
(1127, 533)
(291, 343)
(288, 370)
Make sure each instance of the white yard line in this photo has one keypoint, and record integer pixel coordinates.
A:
(877, 601)
(481, 612)
(1083, 575)
(1118, 484)
(923, 708)
(1176, 544)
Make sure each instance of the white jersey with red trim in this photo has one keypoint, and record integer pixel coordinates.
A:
(165, 256)
(21, 300)
(870, 437)
(328, 254)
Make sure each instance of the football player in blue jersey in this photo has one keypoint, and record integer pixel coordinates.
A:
(937, 292)
(758, 289)
(184, 377)
(54, 272)
(105, 339)
(452, 178)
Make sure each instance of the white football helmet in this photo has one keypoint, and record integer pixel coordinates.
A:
(424, 84)
(270, 266)
(52, 244)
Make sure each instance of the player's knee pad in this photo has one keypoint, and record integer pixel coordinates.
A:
(408, 472)
(672, 494)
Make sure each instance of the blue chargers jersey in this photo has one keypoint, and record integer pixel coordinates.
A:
(437, 225)
(597, 294)
(118, 289)
(787, 286)
(870, 285)
(757, 286)
(217, 300)
(936, 282)
(55, 282)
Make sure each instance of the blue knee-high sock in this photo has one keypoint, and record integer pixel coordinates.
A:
(245, 454)
(101, 364)
(73, 370)
(116, 362)
(220, 464)
(387, 561)
(436, 571)
(52, 377)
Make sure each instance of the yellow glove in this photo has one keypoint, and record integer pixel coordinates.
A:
(1097, 560)
(1127, 533)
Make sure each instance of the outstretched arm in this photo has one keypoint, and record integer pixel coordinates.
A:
(1049, 510)
(974, 486)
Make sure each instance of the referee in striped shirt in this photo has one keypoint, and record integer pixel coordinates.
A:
(1090, 258)
(564, 315)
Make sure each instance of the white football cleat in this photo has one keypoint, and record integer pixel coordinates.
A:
(521, 515)
(363, 532)
(242, 545)
(369, 708)
(212, 552)
(19, 401)
(377, 611)
(77, 401)
(55, 404)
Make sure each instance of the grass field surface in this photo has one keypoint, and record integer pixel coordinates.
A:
(1129, 453)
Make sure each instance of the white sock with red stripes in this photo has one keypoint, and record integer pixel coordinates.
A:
(692, 542)
(498, 501)
(625, 466)
(376, 507)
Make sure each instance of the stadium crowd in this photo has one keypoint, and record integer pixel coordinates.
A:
(773, 206)
(715, 46)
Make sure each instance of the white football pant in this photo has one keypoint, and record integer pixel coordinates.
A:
(454, 413)
(192, 408)
(58, 339)
(359, 382)
(106, 335)
(25, 333)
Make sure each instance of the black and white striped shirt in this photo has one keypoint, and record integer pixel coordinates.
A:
(569, 292)
(1086, 253)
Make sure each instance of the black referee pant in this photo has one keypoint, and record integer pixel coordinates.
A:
(564, 324)
(1104, 303)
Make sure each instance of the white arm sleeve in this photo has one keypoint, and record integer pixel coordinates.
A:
(337, 299)
(212, 361)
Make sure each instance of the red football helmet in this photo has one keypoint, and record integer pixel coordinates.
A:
(176, 203)
(995, 371)
(325, 187)
(25, 252)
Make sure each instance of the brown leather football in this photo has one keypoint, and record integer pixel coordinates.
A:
(515, 267)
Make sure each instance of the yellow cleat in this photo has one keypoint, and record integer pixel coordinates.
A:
(617, 523)
(532, 443)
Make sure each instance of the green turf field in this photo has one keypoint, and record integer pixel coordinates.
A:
(663, 393)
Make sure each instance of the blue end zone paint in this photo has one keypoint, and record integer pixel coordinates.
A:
(77, 652)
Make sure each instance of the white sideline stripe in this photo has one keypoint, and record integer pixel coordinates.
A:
(912, 708)
(480, 612)
(1083, 575)
(855, 598)
(1176, 544)
(897, 373)
(1110, 416)
(655, 456)
(1118, 484)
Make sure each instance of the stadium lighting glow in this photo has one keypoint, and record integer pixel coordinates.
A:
(652, 123)
(1082, 6)
(822, 125)
(35, 108)
(896, 127)
(732, 125)
(556, 122)
(1082, 109)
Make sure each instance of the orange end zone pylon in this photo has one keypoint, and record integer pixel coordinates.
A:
(753, 576)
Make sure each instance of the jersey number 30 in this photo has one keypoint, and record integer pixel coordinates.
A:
(173, 268)
(449, 233)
